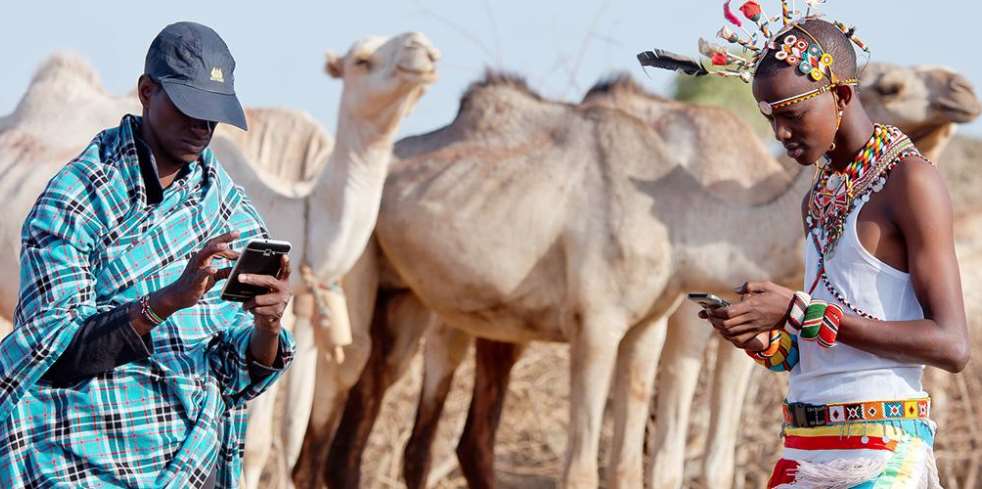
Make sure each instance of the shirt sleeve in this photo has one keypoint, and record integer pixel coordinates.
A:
(106, 341)
(241, 377)
(57, 284)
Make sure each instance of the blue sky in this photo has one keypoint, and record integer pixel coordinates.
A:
(561, 47)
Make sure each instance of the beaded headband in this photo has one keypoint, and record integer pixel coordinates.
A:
(806, 54)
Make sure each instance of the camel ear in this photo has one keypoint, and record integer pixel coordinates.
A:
(334, 65)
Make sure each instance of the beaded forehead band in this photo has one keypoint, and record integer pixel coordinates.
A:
(806, 54)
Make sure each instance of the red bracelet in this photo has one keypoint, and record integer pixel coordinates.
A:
(829, 330)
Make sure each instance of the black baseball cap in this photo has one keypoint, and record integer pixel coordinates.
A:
(196, 70)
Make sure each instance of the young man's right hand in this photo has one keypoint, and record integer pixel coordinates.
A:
(199, 275)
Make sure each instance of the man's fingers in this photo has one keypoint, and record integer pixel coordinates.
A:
(223, 273)
(756, 287)
(273, 311)
(284, 274)
(740, 325)
(269, 299)
(267, 281)
(204, 256)
(731, 311)
(224, 238)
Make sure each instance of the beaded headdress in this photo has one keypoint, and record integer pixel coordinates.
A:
(805, 54)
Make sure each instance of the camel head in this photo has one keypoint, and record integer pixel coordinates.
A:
(925, 101)
(384, 77)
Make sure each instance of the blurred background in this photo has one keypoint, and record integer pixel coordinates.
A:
(562, 48)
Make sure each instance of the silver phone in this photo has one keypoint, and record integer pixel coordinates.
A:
(707, 300)
(260, 257)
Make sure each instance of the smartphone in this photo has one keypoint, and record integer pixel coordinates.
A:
(260, 257)
(707, 301)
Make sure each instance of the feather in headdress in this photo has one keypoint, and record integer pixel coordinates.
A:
(725, 63)
(660, 58)
(730, 16)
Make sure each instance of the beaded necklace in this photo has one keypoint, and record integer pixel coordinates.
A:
(835, 194)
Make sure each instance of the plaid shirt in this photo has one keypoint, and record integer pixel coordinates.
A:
(92, 243)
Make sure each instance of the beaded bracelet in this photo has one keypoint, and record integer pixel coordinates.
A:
(829, 331)
(146, 312)
(796, 312)
(813, 319)
(784, 358)
(821, 323)
(773, 344)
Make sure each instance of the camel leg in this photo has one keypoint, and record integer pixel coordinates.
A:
(685, 345)
(493, 363)
(444, 349)
(333, 380)
(259, 436)
(593, 353)
(330, 392)
(637, 359)
(399, 323)
(299, 380)
(259, 428)
(734, 369)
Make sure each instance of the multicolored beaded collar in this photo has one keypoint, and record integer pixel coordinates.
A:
(836, 194)
(832, 197)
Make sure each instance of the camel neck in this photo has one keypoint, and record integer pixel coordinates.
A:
(343, 206)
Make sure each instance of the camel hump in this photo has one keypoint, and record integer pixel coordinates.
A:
(67, 68)
(620, 82)
(286, 143)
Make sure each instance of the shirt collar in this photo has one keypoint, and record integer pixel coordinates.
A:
(148, 168)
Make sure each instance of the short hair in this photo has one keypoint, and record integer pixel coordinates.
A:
(833, 42)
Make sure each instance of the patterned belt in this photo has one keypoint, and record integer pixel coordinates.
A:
(801, 415)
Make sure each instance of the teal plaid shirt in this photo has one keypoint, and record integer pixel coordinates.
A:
(92, 243)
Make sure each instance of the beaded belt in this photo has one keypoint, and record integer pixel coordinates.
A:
(801, 415)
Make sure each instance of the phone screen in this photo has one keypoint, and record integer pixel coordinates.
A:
(259, 258)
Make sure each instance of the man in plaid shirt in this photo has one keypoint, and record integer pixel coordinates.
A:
(125, 367)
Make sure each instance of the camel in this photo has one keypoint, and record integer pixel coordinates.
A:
(600, 275)
(725, 184)
(384, 79)
(926, 101)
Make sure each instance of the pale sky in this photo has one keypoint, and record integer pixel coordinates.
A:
(561, 47)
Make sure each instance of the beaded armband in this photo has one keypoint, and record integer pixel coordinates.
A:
(146, 312)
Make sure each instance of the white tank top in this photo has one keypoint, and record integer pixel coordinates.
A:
(843, 373)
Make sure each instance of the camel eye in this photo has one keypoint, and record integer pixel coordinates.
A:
(889, 89)
(364, 63)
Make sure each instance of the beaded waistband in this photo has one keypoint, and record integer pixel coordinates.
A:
(802, 415)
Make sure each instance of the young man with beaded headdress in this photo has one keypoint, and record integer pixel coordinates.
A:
(883, 295)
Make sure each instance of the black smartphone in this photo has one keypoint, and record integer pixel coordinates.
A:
(707, 301)
(260, 257)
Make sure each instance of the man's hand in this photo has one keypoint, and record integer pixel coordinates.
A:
(199, 275)
(267, 310)
(747, 324)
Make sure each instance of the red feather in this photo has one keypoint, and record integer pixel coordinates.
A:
(729, 15)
